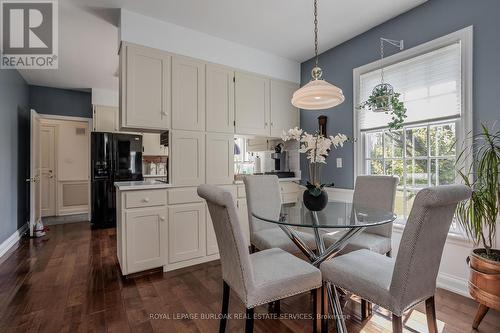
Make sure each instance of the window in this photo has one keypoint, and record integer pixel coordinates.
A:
(434, 82)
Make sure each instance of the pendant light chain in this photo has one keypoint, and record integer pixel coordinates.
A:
(382, 57)
(316, 30)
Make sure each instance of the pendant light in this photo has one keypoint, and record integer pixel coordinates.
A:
(317, 94)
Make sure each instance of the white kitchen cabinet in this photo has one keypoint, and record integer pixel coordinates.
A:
(186, 232)
(283, 114)
(188, 94)
(219, 158)
(151, 145)
(219, 99)
(106, 119)
(252, 105)
(145, 88)
(188, 158)
(145, 238)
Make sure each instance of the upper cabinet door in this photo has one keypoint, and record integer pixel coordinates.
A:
(252, 104)
(283, 114)
(188, 94)
(106, 119)
(188, 158)
(145, 88)
(220, 158)
(220, 99)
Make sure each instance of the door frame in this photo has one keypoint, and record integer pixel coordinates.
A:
(33, 174)
(90, 128)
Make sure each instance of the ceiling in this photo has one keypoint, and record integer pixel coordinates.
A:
(88, 33)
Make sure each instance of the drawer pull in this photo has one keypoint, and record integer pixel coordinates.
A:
(145, 200)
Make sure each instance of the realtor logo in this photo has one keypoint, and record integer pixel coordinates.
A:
(29, 34)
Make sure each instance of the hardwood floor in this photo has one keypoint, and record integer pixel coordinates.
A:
(70, 281)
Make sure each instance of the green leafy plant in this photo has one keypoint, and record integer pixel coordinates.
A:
(383, 99)
(478, 215)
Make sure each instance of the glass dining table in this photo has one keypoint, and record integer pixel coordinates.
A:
(347, 218)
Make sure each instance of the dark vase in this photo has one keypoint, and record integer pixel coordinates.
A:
(313, 203)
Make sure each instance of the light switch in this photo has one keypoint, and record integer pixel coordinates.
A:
(339, 162)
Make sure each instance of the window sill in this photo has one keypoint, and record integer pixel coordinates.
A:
(452, 238)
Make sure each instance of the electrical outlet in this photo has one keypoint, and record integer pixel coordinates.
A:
(339, 162)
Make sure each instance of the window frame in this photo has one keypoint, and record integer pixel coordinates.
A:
(464, 124)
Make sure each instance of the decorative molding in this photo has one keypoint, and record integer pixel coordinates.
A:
(12, 240)
(454, 284)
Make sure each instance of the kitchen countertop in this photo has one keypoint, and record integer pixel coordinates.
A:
(294, 179)
(154, 176)
(141, 185)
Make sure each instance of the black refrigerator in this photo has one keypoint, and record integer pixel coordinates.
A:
(115, 157)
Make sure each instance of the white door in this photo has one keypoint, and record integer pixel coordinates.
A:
(145, 238)
(283, 114)
(252, 104)
(48, 172)
(188, 158)
(220, 158)
(220, 99)
(146, 85)
(35, 197)
(106, 119)
(188, 94)
(186, 232)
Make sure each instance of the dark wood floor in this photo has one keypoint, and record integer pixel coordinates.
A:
(70, 281)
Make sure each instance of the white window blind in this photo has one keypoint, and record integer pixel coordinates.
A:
(429, 84)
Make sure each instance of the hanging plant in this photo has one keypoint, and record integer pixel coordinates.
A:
(383, 99)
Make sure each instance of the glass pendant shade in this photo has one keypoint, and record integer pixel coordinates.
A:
(317, 95)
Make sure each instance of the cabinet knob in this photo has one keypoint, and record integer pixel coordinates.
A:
(265, 124)
(145, 199)
(162, 218)
(164, 113)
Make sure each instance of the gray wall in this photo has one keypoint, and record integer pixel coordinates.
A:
(14, 152)
(61, 102)
(426, 22)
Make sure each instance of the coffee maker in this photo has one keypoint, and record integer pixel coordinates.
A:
(279, 157)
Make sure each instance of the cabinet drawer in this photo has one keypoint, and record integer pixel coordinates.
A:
(240, 190)
(183, 195)
(146, 198)
(289, 187)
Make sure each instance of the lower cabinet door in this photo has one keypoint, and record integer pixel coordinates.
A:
(243, 216)
(145, 230)
(212, 247)
(186, 232)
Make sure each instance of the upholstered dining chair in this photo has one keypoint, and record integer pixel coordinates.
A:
(264, 198)
(257, 278)
(376, 192)
(399, 284)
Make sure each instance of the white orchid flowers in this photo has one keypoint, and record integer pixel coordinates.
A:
(315, 146)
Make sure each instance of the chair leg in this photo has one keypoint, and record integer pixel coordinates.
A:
(366, 309)
(397, 324)
(481, 312)
(225, 306)
(430, 310)
(316, 310)
(324, 308)
(249, 321)
(274, 307)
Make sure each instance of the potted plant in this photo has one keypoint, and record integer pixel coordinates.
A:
(384, 99)
(316, 147)
(479, 218)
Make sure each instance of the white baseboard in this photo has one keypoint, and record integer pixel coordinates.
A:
(9, 242)
(454, 284)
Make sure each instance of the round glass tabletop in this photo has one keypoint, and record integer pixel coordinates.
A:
(336, 214)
